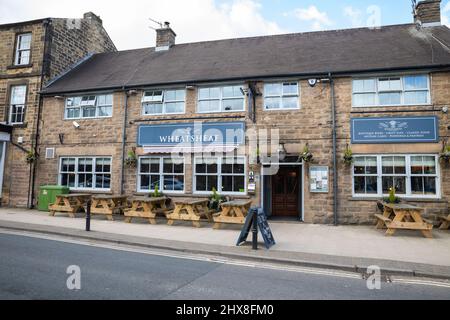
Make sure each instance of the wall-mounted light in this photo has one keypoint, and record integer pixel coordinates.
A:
(190, 87)
(281, 151)
(59, 97)
(445, 109)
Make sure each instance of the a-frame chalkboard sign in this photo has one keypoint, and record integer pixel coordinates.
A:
(261, 224)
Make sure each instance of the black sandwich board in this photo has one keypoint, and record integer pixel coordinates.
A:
(261, 224)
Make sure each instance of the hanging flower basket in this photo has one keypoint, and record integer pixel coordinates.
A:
(348, 156)
(131, 159)
(31, 157)
(306, 155)
(445, 155)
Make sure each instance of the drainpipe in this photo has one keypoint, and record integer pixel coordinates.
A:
(31, 197)
(335, 173)
(124, 132)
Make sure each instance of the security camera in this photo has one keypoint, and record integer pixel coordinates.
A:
(312, 82)
(76, 124)
(445, 109)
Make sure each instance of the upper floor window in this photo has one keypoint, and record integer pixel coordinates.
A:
(391, 91)
(221, 99)
(90, 106)
(163, 102)
(23, 49)
(17, 104)
(282, 95)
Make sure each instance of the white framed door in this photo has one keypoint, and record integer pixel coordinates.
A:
(2, 163)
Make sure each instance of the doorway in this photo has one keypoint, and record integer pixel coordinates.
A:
(283, 192)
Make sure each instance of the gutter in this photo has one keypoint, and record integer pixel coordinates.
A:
(31, 197)
(335, 171)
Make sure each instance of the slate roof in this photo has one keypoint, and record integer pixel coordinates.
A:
(313, 53)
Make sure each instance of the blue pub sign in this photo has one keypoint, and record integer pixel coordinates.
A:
(395, 130)
(199, 133)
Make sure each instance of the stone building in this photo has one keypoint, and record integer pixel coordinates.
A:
(31, 54)
(382, 93)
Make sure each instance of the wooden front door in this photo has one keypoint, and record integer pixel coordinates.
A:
(285, 190)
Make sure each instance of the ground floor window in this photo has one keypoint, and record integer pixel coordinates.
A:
(85, 172)
(410, 175)
(165, 172)
(226, 175)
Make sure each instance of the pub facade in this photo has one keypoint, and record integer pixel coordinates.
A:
(267, 118)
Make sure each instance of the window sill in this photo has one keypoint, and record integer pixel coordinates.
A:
(22, 66)
(90, 191)
(375, 199)
(19, 125)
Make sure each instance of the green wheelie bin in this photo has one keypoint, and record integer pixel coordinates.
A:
(47, 195)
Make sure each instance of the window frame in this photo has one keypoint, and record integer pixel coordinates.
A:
(161, 174)
(81, 106)
(17, 49)
(402, 91)
(221, 98)
(94, 173)
(408, 194)
(219, 176)
(163, 102)
(297, 95)
(22, 105)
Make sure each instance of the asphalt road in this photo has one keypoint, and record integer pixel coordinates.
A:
(32, 268)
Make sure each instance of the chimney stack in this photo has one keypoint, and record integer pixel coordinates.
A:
(165, 37)
(93, 17)
(428, 13)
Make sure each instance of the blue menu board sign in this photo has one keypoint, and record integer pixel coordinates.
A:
(395, 130)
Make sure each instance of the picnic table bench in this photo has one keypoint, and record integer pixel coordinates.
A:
(145, 207)
(108, 205)
(445, 222)
(189, 209)
(403, 216)
(70, 203)
(232, 212)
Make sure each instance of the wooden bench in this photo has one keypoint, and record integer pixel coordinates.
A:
(70, 203)
(383, 220)
(403, 216)
(189, 210)
(445, 222)
(232, 212)
(145, 207)
(108, 205)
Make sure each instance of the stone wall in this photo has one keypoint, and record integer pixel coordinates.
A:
(311, 124)
(67, 41)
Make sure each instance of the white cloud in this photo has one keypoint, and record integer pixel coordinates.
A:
(128, 25)
(445, 15)
(354, 15)
(319, 20)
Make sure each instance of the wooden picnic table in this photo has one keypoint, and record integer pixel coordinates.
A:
(189, 209)
(70, 203)
(445, 222)
(232, 212)
(403, 216)
(108, 205)
(145, 207)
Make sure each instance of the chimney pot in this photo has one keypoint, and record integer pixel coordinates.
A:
(428, 13)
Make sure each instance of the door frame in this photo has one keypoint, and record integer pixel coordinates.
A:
(2, 165)
(302, 170)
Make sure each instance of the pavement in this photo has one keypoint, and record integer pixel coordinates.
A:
(36, 268)
(350, 248)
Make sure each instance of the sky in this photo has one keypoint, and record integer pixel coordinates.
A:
(127, 22)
